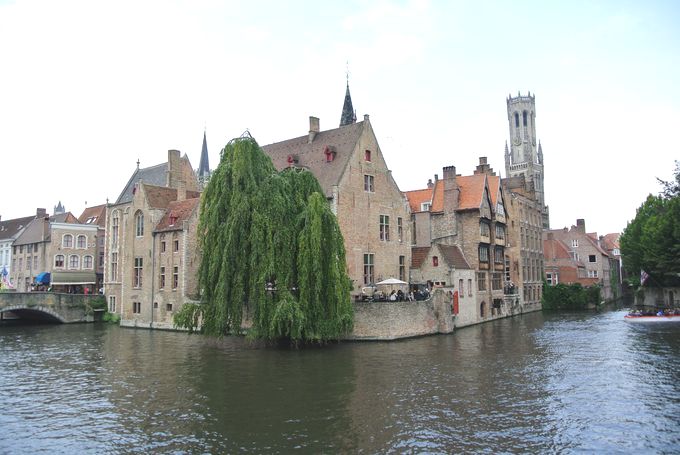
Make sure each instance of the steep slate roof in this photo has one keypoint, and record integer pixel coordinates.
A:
(96, 214)
(348, 116)
(204, 166)
(177, 212)
(454, 256)
(38, 230)
(11, 228)
(417, 197)
(154, 175)
(341, 140)
(418, 255)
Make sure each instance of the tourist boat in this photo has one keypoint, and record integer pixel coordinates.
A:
(655, 318)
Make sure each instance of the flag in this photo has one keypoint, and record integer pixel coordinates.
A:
(644, 276)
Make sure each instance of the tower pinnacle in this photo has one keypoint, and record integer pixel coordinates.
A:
(204, 166)
(348, 115)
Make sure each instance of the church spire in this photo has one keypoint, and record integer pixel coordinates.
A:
(204, 166)
(348, 115)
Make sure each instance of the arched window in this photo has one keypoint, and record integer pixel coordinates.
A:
(482, 309)
(73, 261)
(516, 120)
(59, 260)
(87, 262)
(435, 261)
(524, 118)
(81, 241)
(114, 229)
(67, 241)
(139, 224)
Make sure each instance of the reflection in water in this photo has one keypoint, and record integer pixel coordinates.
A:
(538, 383)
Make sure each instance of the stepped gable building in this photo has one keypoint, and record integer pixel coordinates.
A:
(58, 245)
(584, 248)
(467, 212)
(372, 212)
(524, 157)
(9, 231)
(151, 262)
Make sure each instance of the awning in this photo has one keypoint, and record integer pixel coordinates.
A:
(43, 278)
(74, 278)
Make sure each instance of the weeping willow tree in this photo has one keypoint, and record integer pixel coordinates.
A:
(271, 250)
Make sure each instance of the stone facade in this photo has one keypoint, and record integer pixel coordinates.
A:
(583, 247)
(372, 213)
(524, 157)
(134, 247)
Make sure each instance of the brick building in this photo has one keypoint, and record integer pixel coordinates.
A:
(151, 258)
(96, 216)
(372, 213)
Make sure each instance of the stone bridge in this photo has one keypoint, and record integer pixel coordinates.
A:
(57, 307)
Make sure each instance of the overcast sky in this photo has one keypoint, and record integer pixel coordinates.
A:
(87, 88)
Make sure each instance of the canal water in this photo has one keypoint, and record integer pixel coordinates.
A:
(537, 383)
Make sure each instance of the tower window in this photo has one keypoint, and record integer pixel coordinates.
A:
(516, 120)
(524, 118)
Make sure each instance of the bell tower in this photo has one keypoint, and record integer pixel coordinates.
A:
(524, 157)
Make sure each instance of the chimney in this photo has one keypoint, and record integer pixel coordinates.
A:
(313, 128)
(430, 185)
(551, 236)
(40, 213)
(483, 167)
(181, 190)
(365, 117)
(581, 225)
(451, 189)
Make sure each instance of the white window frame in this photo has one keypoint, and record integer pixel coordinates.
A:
(63, 241)
(77, 262)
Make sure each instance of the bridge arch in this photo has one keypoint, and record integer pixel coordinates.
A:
(34, 313)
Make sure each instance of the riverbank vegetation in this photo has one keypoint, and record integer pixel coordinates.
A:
(272, 252)
(651, 241)
(570, 297)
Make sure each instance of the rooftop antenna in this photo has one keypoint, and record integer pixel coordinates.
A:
(347, 71)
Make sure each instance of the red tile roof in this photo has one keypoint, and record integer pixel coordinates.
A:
(95, 215)
(471, 191)
(176, 214)
(418, 255)
(417, 197)
(454, 256)
(494, 188)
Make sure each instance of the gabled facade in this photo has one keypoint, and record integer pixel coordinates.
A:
(469, 212)
(372, 213)
(96, 216)
(9, 231)
(583, 247)
(138, 227)
(56, 244)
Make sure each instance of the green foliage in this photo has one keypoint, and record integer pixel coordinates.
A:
(98, 303)
(188, 317)
(651, 241)
(272, 250)
(112, 318)
(569, 296)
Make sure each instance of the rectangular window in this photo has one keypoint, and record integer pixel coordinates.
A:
(367, 155)
(59, 260)
(592, 273)
(400, 230)
(162, 283)
(484, 253)
(499, 255)
(168, 307)
(137, 276)
(574, 243)
(548, 278)
(500, 231)
(163, 246)
(175, 277)
(461, 290)
(481, 281)
(21, 249)
(496, 281)
(114, 231)
(484, 229)
(35, 262)
(368, 184)
(112, 304)
(384, 227)
(425, 206)
(368, 268)
(402, 268)
(136, 307)
(101, 259)
(470, 287)
(114, 266)
(435, 261)
(592, 258)
(175, 246)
